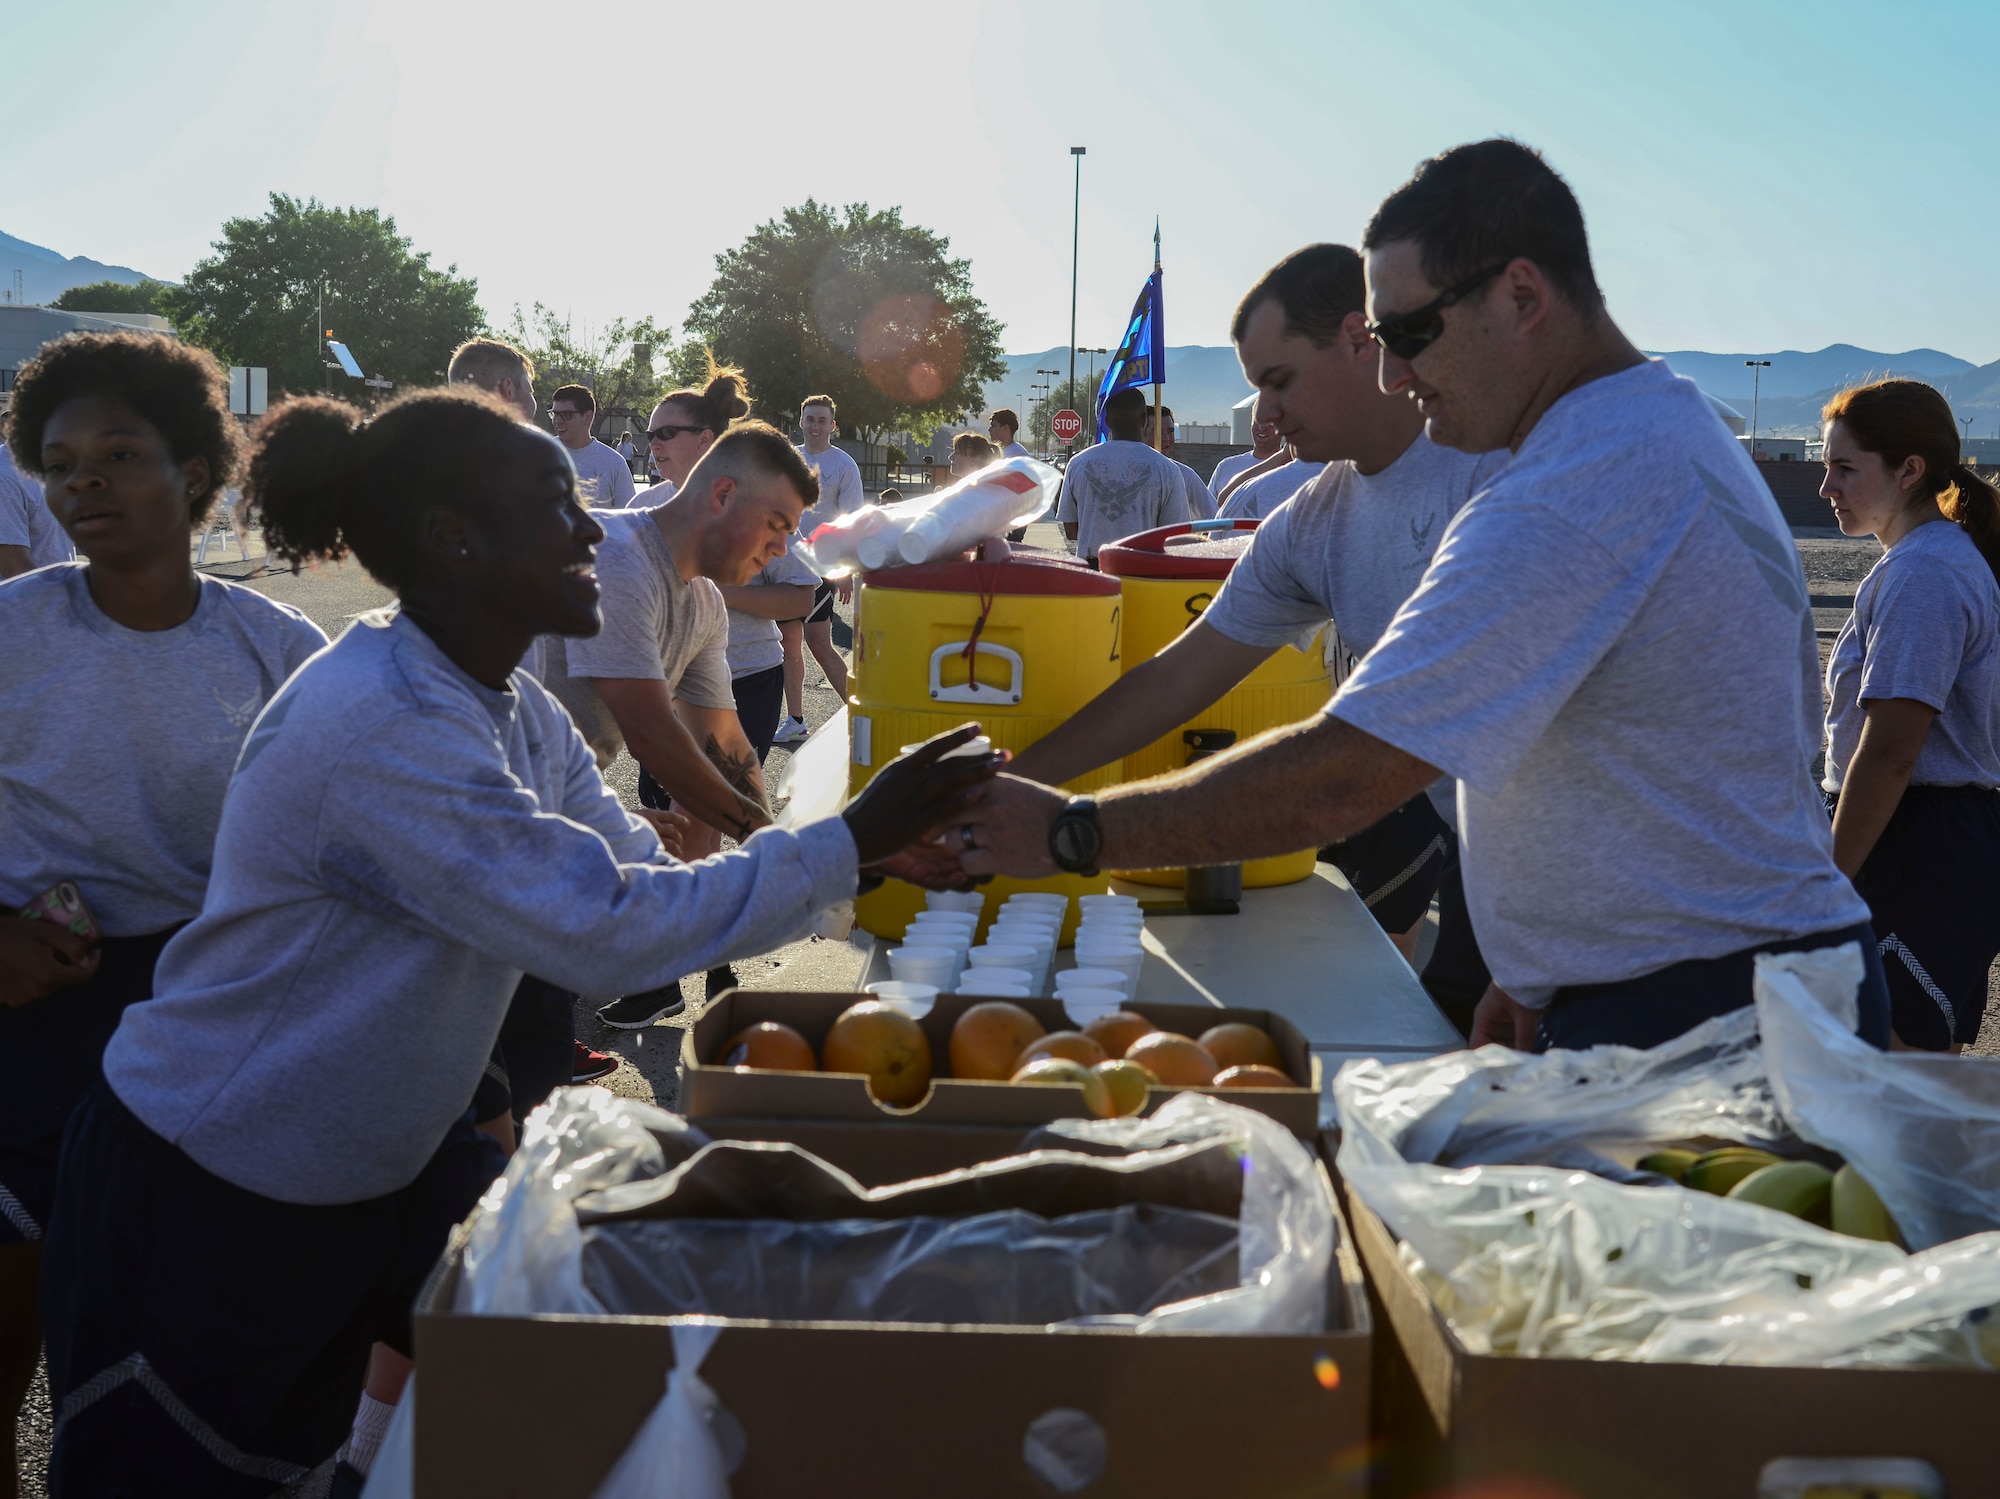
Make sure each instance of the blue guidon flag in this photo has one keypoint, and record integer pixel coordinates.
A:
(1142, 357)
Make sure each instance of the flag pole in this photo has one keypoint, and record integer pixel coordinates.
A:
(1159, 312)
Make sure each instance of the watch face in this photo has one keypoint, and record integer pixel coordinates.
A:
(1075, 843)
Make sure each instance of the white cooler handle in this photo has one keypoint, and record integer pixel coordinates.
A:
(975, 692)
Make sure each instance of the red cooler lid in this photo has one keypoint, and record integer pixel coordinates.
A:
(1025, 572)
(1146, 555)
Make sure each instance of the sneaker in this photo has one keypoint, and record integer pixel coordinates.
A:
(791, 731)
(588, 1066)
(637, 1011)
(720, 979)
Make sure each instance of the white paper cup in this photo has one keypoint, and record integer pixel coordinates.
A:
(1125, 959)
(1085, 1005)
(1011, 978)
(936, 966)
(1009, 934)
(914, 1000)
(944, 921)
(973, 901)
(1090, 978)
(971, 988)
(1046, 898)
(1003, 955)
(1089, 903)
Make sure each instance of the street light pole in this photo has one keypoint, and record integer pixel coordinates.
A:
(1075, 240)
(1756, 368)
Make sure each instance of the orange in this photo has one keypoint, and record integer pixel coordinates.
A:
(1124, 1084)
(1117, 1031)
(987, 1039)
(1252, 1076)
(1234, 1044)
(1074, 1045)
(1174, 1060)
(1061, 1070)
(886, 1045)
(768, 1045)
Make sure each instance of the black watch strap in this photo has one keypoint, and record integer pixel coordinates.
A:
(1074, 837)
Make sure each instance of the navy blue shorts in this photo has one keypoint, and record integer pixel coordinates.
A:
(50, 1053)
(1456, 977)
(1395, 865)
(534, 1055)
(760, 706)
(207, 1340)
(1932, 885)
(1656, 1007)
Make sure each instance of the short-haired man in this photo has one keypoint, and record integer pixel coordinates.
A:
(1350, 549)
(840, 492)
(1612, 653)
(1200, 503)
(29, 535)
(656, 679)
(603, 479)
(499, 367)
(1264, 444)
(1003, 427)
(1121, 487)
(1256, 493)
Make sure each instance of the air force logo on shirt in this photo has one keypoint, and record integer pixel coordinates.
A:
(240, 715)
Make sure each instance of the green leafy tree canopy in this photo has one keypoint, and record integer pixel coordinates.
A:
(857, 305)
(627, 365)
(113, 296)
(256, 300)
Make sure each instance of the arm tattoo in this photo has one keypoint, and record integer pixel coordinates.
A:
(739, 770)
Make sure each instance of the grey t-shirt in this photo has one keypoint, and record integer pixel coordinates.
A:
(116, 744)
(1200, 503)
(399, 845)
(840, 490)
(1118, 489)
(1228, 469)
(657, 626)
(1926, 625)
(1613, 654)
(603, 479)
(754, 642)
(1256, 498)
(25, 520)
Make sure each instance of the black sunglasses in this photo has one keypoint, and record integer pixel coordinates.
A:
(1408, 334)
(669, 433)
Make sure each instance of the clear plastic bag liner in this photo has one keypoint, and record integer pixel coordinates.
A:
(1196, 1155)
(1922, 1127)
(689, 1444)
(1011, 1267)
(982, 505)
(813, 784)
(1536, 1259)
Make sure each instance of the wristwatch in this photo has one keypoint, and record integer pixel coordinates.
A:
(1074, 838)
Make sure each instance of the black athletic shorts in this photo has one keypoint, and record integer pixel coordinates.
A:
(822, 609)
(1658, 1006)
(1395, 865)
(534, 1054)
(50, 1054)
(207, 1340)
(1932, 885)
(1456, 976)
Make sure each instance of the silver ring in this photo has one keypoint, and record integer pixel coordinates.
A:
(965, 843)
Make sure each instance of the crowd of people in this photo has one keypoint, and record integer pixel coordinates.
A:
(311, 921)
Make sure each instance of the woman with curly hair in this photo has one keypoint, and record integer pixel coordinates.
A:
(126, 690)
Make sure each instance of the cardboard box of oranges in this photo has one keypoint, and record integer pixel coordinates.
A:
(862, 1409)
(783, 1054)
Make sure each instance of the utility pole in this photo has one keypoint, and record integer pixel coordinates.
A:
(1756, 368)
(1075, 240)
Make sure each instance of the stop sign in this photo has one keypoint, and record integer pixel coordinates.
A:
(1068, 425)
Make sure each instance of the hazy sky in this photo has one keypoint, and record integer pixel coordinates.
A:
(1755, 176)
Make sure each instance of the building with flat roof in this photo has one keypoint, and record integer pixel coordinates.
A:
(23, 330)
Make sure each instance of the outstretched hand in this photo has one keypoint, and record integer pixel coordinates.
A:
(671, 827)
(1502, 1020)
(40, 958)
(914, 795)
(1008, 831)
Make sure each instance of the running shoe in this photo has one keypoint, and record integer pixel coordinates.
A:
(588, 1066)
(637, 1011)
(791, 731)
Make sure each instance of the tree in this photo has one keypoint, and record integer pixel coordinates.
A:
(857, 305)
(1080, 398)
(112, 296)
(616, 361)
(256, 301)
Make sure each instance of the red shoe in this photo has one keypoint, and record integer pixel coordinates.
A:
(589, 1065)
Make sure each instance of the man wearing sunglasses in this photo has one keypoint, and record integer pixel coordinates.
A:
(1611, 652)
(603, 479)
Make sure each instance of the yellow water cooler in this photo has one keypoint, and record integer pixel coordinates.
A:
(1166, 588)
(1017, 644)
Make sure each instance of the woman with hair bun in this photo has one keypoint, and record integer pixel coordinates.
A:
(250, 1195)
(1913, 717)
(127, 685)
(685, 425)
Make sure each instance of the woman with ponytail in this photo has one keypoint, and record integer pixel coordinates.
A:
(127, 685)
(685, 425)
(1913, 716)
(251, 1193)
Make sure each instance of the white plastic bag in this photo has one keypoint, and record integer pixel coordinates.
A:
(1923, 1128)
(985, 504)
(690, 1444)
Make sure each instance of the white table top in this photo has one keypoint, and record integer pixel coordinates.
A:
(1309, 951)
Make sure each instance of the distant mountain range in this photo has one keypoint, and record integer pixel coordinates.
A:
(46, 274)
(1202, 383)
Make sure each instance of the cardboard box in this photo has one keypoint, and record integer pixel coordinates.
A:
(1601, 1429)
(543, 1406)
(710, 1091)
